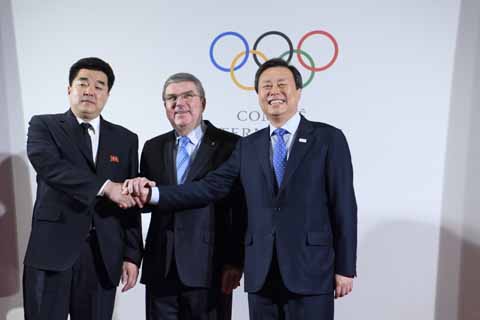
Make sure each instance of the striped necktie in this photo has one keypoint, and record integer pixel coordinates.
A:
(183, 159)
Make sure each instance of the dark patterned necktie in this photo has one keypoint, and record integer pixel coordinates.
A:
(86, 136)
(279, 155)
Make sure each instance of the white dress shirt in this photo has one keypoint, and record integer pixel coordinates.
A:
(291, 126)
(195, 136)
(94, 133)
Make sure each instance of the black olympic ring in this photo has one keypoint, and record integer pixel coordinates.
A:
(278, 33)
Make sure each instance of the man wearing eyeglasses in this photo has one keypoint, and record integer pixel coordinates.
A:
(301, 239)
(193, 258)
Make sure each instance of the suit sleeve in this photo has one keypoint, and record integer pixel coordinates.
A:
(342, 205)
(45, 155)
(132, 221)
(145, 171)
(215, 186)
(235, 226)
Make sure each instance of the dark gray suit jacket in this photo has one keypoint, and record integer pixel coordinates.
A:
(311, 221)
(67, 187)
(202, 240)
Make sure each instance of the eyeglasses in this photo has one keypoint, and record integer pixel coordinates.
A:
(187, 97)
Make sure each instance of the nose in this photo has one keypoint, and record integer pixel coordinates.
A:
(274, 90)
(89, 90)
(178, 106)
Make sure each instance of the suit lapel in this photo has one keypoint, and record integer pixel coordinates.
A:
(70, 125)
(168, 159)
(262, 146)
(204, 153)
(302, 144)
(105, 142)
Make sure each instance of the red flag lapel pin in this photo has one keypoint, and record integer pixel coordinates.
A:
(114, 159)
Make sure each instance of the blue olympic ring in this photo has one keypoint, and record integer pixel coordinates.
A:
(235, 34)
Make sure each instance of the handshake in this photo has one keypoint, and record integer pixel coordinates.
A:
(130, 193)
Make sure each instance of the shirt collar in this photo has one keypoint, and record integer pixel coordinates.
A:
(95, 123)
(195, 135)
(291, 125)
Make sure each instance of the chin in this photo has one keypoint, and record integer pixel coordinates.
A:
(87, 109)
(277, 111)
(182, 124)
(87, 105)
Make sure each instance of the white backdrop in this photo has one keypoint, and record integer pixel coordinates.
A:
(389, 91)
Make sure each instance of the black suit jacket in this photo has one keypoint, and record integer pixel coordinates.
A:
(67, 187)
(200, 241)
(311, 221)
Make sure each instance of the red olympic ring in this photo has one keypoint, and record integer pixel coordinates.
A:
(321, 68)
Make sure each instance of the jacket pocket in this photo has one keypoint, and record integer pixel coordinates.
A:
(318, 239)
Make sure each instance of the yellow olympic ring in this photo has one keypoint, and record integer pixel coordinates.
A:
(234, 62)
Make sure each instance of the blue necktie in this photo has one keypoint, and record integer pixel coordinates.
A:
(279, 155)
(183, 159)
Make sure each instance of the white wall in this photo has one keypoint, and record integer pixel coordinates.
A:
(459, 249)
(403, 89)
(15, 188)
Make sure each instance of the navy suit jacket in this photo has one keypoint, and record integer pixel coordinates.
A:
(311, 221)
(67, 186)
(199, 241)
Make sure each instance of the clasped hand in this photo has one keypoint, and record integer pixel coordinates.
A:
(133, 192)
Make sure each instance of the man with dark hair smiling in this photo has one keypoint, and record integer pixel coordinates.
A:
(301, 239)
(81, 242)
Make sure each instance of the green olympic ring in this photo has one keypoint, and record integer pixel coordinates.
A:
(312, 65)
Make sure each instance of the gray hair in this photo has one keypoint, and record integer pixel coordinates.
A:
(181, 77)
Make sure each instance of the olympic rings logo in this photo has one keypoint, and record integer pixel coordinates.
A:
(289, 54)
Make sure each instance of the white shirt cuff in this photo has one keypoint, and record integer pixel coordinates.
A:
(155, 198)
(101, 192)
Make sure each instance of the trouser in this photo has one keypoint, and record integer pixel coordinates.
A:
(275, 302)
(83, 291)
(170, 299)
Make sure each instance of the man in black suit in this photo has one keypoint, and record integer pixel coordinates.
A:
(300, 245)
(194, 258)
(81, 242)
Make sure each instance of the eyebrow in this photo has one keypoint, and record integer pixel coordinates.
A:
(279, 81)
(87, 79)
(174, 94)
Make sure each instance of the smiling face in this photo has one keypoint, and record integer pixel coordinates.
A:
(184, 106)
(88, 93)
(278, 95)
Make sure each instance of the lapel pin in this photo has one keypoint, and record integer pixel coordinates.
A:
(114, 159)
(302, 140)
